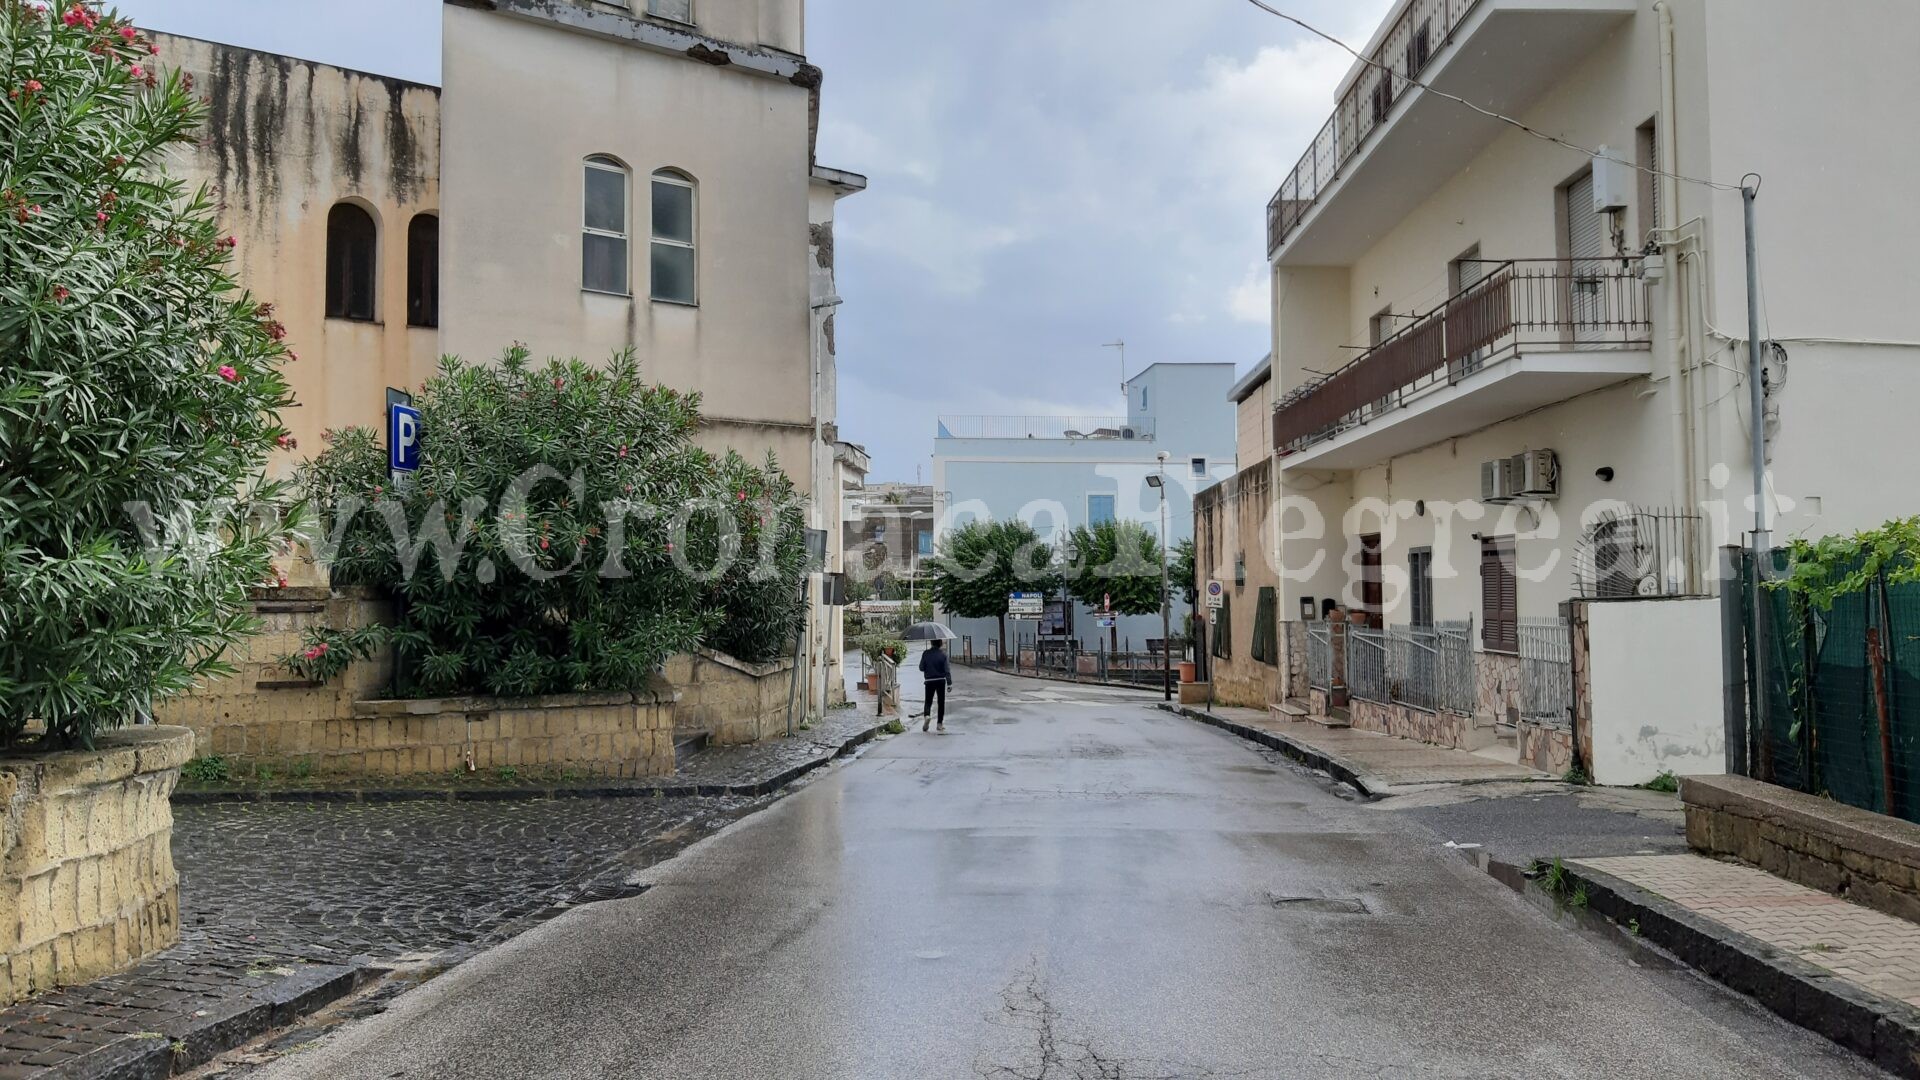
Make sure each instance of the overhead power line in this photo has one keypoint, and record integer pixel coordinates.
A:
(1483, 110)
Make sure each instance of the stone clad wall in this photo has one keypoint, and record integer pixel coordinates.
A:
(87, 884)
(1407, 722)
(730, 701)
(624, 736)
(265, 713)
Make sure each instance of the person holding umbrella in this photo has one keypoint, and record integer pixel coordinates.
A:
(936, 668)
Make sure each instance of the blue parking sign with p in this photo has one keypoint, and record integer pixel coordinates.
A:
(403, 437)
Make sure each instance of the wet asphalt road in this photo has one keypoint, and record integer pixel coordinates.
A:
(1070, 884)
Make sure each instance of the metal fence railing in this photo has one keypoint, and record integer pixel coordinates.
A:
(1454, 644)
(1520, 305)
(1546, 671)
(1045, 427)
(1367, 663)
(1066, 658)
(1421, 30)
(1639, 553)
(1320, 656)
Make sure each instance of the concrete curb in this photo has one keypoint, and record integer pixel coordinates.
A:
(1880, 1029)
(1309, 756)
(766, 785)
(277, 1005)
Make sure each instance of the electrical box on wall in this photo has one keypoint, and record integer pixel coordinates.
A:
(1613, 182)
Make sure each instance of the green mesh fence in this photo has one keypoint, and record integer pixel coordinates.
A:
(1843, 694)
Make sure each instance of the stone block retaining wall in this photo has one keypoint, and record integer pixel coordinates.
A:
(1407, 722)
(87, 884)
(1865, 857)
(621, 735)
(730, 701)
(1545, 747)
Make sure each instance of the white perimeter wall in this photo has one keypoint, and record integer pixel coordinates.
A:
(1655, 681)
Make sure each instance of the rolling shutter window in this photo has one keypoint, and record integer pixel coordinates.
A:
(1499, 601)
(1586, 236)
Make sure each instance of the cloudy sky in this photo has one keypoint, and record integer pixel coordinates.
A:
(1047, 176)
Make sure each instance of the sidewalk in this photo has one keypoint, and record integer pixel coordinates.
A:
(290, 903)
(1842, 970)
(1377, 765)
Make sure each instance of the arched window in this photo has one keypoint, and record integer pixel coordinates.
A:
(351, 245)
(423, 271)
(603, 243)
(675, 276)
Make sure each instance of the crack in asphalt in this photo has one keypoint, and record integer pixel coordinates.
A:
(1061, 1055)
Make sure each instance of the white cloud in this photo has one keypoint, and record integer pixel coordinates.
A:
(1251, 301)
(935, 237)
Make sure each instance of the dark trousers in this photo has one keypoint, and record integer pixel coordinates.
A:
(936, 688)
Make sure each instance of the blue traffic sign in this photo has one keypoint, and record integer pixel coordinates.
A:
(403, 438)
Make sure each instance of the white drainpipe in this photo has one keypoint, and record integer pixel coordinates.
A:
(1680, 369)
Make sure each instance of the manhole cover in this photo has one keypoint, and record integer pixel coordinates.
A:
(1332, 905)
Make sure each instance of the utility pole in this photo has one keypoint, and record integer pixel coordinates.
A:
(1757, 403)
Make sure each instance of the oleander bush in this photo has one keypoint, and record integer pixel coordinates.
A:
(139, 390)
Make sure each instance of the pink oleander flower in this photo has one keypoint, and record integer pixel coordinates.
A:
(138, 72)
(228, 373)
(128, 33)
(34, 86)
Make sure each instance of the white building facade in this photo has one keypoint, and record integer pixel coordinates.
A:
(1060, 472)
(1537, 338)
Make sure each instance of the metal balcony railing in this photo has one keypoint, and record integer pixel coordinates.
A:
(1045, 427)
(1535, 304)
(1416, 35)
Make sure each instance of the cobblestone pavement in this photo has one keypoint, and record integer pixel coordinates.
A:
(278, 899)
(1874, 951)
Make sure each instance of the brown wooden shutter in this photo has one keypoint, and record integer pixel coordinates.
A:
(1499, 599)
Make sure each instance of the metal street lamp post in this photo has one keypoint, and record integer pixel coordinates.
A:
(1158, 481)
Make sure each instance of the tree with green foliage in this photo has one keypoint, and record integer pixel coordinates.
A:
(563, 533)
(1184, 571)
(1117, 561)
(140, 389)
(979, 564)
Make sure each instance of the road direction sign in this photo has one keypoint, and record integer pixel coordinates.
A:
(1026, 605)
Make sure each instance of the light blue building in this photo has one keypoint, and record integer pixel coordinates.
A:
(1059, 472)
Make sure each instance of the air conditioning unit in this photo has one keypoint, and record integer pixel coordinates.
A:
(1536, 474)
(1496, 480)
(1129, 433)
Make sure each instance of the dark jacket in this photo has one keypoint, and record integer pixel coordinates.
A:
(934, 666)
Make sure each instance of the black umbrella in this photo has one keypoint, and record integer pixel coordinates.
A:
(929, 631)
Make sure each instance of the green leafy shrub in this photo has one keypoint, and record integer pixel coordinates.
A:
(762, 605)
(139, 390)
(1821, 571)
(563, 533)
(211, 769)
(880, 643)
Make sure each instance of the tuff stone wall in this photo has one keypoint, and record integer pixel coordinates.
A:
(1865, 857)
(87, 884)
(730, 701)
(1496, 678)
(619, 735)
(264, 712)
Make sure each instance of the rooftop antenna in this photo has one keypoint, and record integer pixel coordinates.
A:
(1122, 346)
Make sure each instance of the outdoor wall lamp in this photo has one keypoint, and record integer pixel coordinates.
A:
(1605, 473)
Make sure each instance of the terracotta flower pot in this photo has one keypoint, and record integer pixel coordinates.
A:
(1187, 671)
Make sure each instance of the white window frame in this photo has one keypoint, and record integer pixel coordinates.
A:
(677, 179)
(1198, 466)
(688, 21)
(607, 164)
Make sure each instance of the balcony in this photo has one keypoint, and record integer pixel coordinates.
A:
(1530, 333)
(1388, 144)
(1046, 427)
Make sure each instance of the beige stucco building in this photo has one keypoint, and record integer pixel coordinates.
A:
(1538, 337)
(593, 177)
